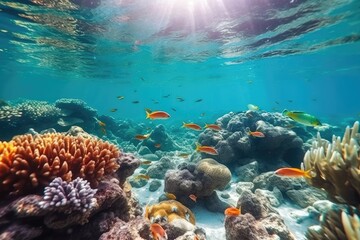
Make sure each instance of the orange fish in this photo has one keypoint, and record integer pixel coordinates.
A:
(192, 126)
(157, 115)
(101, 124)
(256, 134)
(158, 145)
(232, 211)
(193, 197)
(214, 127)
(142, 137)
(157, 232)
(293, 172)
(142, 176)
(206, 149)
(170, 196)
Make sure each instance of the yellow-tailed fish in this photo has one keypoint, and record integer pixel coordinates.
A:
(302, 117)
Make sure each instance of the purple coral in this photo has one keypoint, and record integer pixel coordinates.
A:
(67, 197)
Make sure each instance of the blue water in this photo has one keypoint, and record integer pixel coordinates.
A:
(277, 54)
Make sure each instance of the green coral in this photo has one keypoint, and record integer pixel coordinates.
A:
(335, 166)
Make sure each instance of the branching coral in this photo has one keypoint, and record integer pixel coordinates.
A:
(28, 162)
(336, 166)
(67, 197)
(337, 224)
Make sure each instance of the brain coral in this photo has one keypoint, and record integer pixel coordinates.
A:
(219, 175)
(29, 162)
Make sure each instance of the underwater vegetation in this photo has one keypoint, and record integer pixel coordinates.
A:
(125, 180)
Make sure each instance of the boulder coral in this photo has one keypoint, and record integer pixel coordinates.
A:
(335, 166)
(28, 162)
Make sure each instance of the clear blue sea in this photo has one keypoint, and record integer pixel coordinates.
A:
(277, 54)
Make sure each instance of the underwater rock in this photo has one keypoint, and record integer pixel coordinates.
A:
(214, 204)
(76, 108)
(78, 131)
(128, 164)
(251, 204)
(247, 172)
(136, 228)
(307, 196)
(275, 225)
(243, 186)
(245, 227)
(158, 169)
(274, 197)
(17, 231)
(159, 136)
(154, 185)
(269, 180)
(234, 144)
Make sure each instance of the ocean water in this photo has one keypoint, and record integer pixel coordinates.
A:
(196, 59)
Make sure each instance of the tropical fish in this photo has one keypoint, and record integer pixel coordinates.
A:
(68, 121)
(142, 137)
(252, 107)
(120, 97)
(199, 100)
(206, 149)
(173, 109)
(293, 172)
(142, 176)
(101, 124)
(180, 99)
(302, 117)
(202, 114)
(155, 101)
(214, 127)
(157, 145)
(157, 232)
(277, 102)
(192, 126)
(113, 110)
(166, 96)
(135, 102)
(232, 211)
(157, 115)
(193, 197)
(255, 134)
(184, 155)
(146, 162)
(103, 130)
(170, 196)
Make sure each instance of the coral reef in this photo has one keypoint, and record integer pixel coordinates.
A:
(235, 145)
(335, 166)
(337, 223)
(30, 162)
(160, 136)
(202, 182)
(67, 197)
(128, 164)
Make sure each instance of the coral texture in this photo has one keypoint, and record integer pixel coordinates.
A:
(337, 223)
(29, 162)
(67, 197)
(168, 211)
(218, 174)
(335, 166)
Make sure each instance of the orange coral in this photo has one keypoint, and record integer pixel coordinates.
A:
(28, 162)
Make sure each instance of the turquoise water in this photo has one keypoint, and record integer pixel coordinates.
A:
(299, 55)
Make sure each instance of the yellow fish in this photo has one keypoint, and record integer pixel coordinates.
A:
(302, 117)
(170, 196)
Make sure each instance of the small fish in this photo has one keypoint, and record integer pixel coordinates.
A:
(170, 196)
(302, 117)
(202, 114)
(103, 130)
(120, 97)
(255, 134)
(214, 127)
(157, 115)
(166, 96)
(193, 197)
(192, 126)
(199, 100)
(113, 110)
(252, 107)
(184, 155)
(101, 124)
(232, 211)
(173, 109)
(277, 102)
(142, 137)
(206, 149)
(146, 162)
(157, 232)
(155, 102)
(135, 102)
(290, 101)
(157, 145)
(180, 99)
(142, 79)
(142, 176)
(293, 172)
